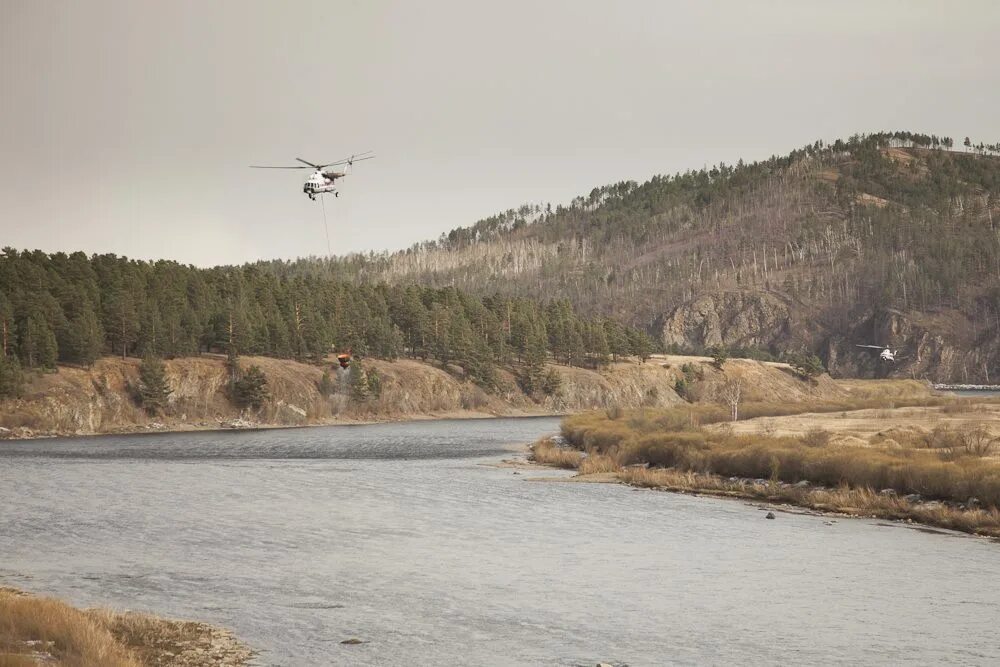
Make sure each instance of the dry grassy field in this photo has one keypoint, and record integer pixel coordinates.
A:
(886, 427)
(35, 630)
(933, 460)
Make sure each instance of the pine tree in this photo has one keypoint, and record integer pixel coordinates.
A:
(81, 338)
(153, 387)
(551, 383)
(641, 344)
(38, 343)
(532, 372)
(251, 389)
(11, 377)
(233, 373)
(806, 365)
(618, 342)
(6, 326)
(598, 343)
(719, 356)
(360, 390)
(120, 320)
(374, 382)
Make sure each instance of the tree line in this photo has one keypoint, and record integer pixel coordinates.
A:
(74, 308)
(892, 220)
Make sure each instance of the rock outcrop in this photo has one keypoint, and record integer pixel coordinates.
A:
(730, 319)
(938, 347)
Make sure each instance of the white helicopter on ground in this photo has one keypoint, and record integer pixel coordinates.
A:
(887, 354)
(320, 182)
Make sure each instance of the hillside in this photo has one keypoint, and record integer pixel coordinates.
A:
(100, 399)
(888, 238)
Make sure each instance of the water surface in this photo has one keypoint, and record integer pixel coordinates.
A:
(402, 535)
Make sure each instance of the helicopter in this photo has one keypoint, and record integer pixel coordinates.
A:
(888, 354)
(320, 181)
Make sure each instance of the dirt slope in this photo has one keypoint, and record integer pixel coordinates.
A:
(76, 401)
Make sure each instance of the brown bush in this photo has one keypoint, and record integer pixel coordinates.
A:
(664, 450)
(816, 437)
(978, 441)
(545, 451)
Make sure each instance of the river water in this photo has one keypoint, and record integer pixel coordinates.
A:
(404, 536)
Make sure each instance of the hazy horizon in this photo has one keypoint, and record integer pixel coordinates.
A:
(128, 127)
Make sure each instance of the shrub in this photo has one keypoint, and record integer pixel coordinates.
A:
(473, 397)
(978, 441)
(545, 451)
(816, 437)
(666, 450)
(327, 386)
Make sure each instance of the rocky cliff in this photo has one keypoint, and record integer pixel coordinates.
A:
(730, 319)
(939, 346)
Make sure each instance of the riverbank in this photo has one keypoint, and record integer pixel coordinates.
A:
(102, 399)
(40, 630)
(944, 476)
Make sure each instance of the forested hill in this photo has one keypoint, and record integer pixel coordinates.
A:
(74, 308)
(888, 238)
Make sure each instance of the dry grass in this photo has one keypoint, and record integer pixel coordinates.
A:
(37, 630)
(882, 390)
(843, 500)
(32, 628)
(596, 463)
(953, 466)
(547, 452)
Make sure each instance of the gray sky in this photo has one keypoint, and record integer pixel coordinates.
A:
(127, 126)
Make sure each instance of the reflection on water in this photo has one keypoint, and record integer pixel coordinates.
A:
(399, 535)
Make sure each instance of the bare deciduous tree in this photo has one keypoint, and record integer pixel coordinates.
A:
(731, 393)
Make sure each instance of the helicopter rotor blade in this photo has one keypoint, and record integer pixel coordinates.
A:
(357, 157)
(260, 166)
(314, 166)
(874, 347)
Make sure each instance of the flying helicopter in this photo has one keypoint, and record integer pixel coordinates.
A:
(887, 354)
(321, 181)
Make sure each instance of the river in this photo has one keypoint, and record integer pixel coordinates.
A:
(404, 536)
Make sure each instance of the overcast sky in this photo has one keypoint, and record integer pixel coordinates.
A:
(127, 127)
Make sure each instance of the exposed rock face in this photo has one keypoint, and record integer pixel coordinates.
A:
(731, 319)
(940, 347)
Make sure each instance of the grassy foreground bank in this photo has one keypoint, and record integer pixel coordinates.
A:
(946, 476)
(37, 630)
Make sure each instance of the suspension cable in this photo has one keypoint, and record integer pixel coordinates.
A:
(326, 227)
